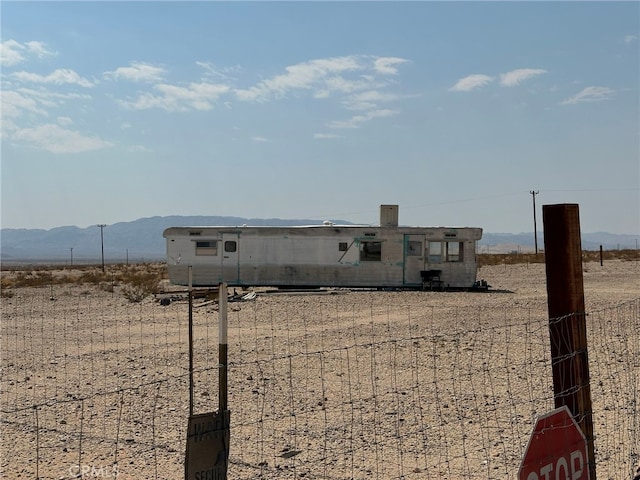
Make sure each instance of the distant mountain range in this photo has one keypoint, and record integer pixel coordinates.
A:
(142, 240)
(136, 241)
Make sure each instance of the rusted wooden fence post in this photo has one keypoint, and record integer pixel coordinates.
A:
(567, 317)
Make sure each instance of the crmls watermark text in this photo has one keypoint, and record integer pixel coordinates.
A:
(89, 471)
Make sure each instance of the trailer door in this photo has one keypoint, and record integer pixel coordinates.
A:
(230, 258)
(414, 259)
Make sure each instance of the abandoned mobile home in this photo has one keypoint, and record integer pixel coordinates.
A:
(328, 255)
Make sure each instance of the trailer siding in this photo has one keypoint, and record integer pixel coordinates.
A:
(323, 256)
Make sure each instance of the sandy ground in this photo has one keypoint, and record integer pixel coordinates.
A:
(346, 384)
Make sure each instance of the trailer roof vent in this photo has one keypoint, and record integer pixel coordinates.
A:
(388, 215)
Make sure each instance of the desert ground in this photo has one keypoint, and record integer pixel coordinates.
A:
(335, 384)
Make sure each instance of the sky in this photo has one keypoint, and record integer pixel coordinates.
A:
(455, 111)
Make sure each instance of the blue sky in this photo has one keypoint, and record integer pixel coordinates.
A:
(455, 111)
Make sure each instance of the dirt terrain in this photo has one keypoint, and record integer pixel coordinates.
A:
(330, 384)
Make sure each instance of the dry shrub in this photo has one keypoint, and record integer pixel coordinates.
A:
(93, 276)
(138, 285)
(36, 278)
(625, 255)
(508, 258)
(6, 293)
(139, 280)
(587, 256)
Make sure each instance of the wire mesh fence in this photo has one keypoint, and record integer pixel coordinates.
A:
(337, 386)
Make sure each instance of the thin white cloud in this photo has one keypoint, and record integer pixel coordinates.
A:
(13, 53)
(51, 99)
(471, 82)
(590, 94)
(515, 77)
(38, 49)
(324, 77)
(300, 76)
(64, 121)
(357, 120)
(55, 139)
(630, 38)
(60, 76)
(137, 72)
(15, 103)
(261, 139)
(139, 149)
(225, 73)
(342, 85)
(8, 127)
(358, 80)
(388, 65)
(325, 136)
(196, 96)
(369, 100)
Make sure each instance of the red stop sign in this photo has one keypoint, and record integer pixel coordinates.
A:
(557, 449)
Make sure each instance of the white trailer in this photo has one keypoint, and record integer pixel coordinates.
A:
(328, 255)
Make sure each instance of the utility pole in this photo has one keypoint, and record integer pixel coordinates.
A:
(102, 225)
(535, 228)
(71, 248)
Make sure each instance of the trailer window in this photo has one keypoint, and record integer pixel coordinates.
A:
(370, 251)
(343, 246)
(435, 252)
(230, 246)
(454, 251)
(207, 248)
(414, 248)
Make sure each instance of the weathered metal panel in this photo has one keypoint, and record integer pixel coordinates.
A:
(413, 259)
(327, 255)
(230, 257)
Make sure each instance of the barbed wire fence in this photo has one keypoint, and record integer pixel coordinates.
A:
(350, 385)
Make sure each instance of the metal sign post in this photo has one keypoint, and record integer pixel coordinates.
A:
(208, 434)
(222, 348)
(190, 340)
